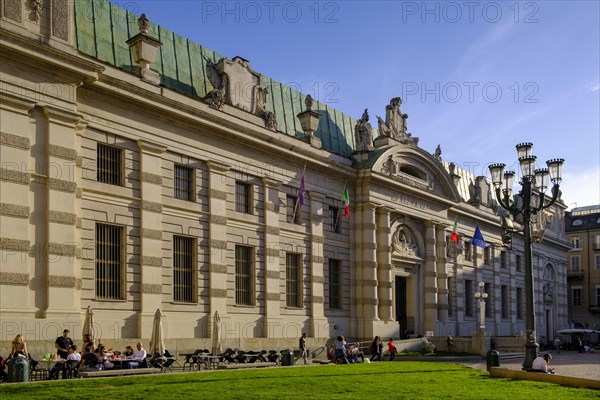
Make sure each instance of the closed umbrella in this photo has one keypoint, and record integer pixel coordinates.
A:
(88, 324)
(157, 342)
(216, 345)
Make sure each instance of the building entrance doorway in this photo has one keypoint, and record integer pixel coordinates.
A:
(401, 314)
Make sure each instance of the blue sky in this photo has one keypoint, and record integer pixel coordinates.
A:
(476, 77)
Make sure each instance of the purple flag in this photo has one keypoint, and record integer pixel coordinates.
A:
(301, 191)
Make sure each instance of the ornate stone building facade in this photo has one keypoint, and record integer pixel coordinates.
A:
(185, 181)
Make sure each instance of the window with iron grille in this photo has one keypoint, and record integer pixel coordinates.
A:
(292, 280)
(334, 285)
(597, 261)
(183, 269)
(243, 197)
(469, 298)
(597, 296)
(576, 296)
(575, 266)
(109, 168)
(518, 262)
(335, 222)
(292, 209)
(504, 291)
(109, 262)
(244, 275)
(184, 183)
(519, 303)
(503, 259)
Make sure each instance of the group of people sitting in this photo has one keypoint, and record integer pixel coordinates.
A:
(92, 357)
(349, 354)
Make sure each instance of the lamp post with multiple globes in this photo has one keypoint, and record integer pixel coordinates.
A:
(481, 296)
(533, 181)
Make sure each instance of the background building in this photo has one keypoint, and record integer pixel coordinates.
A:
(188, 182)
(582, 225)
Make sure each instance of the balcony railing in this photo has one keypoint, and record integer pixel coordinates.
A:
(577, 274)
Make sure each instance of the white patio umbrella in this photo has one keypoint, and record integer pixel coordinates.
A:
(216, 344)
(88, 324)
(157, 342)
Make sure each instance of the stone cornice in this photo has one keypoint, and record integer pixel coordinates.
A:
(217, 167)
(14, 279)
(62, 152)
(14, 210)
(61, 116)
(150, 148)
(19, 142)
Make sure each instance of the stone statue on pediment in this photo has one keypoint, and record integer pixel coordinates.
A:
(394, 125)
(363, 133)
(438, 153)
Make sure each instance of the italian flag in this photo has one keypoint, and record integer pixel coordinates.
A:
(346, 200)
(454, 236)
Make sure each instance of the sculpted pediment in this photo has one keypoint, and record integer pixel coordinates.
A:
(238, 85)
(413, 173)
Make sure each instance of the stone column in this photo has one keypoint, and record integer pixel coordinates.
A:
(442, 276)
(16, 207)
(150, 234)
(273, 319)
(217, 239)
(430, 276)
(384, 264)
(63, 250)
(317, 308)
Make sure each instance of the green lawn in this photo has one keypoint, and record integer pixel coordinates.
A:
(381, 380)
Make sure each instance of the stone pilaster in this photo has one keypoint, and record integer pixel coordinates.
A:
(150, 245)
(15, 208)
(367, 270)
(317, 308)
(217, 239)
(384, 265)
(442, 276)
(63, 255)
(430, 278)
(271, 256)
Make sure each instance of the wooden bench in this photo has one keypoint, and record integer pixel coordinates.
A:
(249, 365)
(118, 372)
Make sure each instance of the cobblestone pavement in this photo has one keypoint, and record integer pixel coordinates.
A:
(568, 363)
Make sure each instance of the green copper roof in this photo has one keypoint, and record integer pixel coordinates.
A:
(102, 29)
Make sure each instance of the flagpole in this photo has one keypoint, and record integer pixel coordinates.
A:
(298, 198)
(340, 210)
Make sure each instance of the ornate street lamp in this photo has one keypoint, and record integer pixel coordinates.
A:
(481, 296)
(533, 181)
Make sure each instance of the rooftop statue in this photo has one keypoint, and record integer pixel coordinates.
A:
(394, 125)
(363, 134)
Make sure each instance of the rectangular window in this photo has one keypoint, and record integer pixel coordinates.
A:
(334, 285)
(488, 304)
(292, 210)
(109, 262)
(503, 259)
(504, 301)
(597, 261)
(469, 298)
(519, 303)
(292, 280)
(576, 296)
(244, 275)
(597, 296)
(109, 169)
(335, 222)
(184, 183)
(450, 297)
(183, 269)
(518, 262)
(596, 242)
(575, 266)
(243, 197)
(468, 250)
(576, 242)
(488, 255)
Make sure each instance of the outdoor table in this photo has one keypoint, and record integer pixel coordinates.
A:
(211, 362)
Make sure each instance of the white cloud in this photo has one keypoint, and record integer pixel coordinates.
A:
(595, 88)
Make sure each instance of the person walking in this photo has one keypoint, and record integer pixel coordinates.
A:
(302, 345)
(376, 348)
(557, 344)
